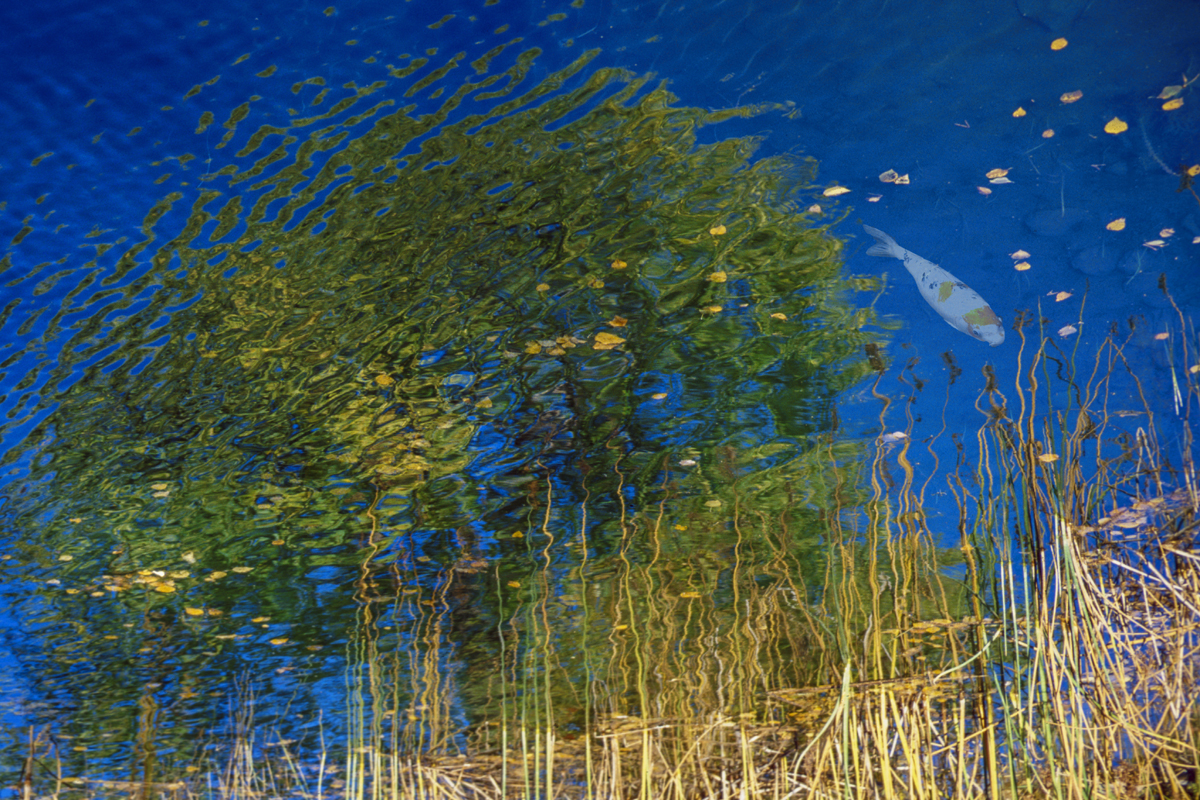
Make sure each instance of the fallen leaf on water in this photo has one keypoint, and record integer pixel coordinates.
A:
(690, 595)
(1115, 126)
(890, 176)
(193, 612)
(1021, 266)
(532, 348)
(834, 191)
(902, 181)
(1117, 224)
(813, 209)
(1017, 256)
(514, 584)
(381, 380)
(711, 309)
(1067, 330)
(996, 173)
(875, 198)
(618, 322)
(242, 570)
(484, 403)
(1161, 336)
(619, 264)
(779, 316)
(1154, 244)
(1171, 105)
(1048, 133)
(718, 277)
(1047, 458)
(717, 230)
(66, 557)
(999, 181)
(1167, 233)
(1058, 298)
(1058, 44)
(659, 396)
(279, 640)
(1020, 112)
(1168, 92)
(1071, 97)
(596, 283)
(543, 287)
(607, 341)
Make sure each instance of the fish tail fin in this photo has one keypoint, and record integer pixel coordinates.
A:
(886, 247)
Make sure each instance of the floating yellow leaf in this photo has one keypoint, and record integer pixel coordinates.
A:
(781, 317)
(718, 277)
(619, 264)
(1071, 97)
(607, 341)
(1047, 458)
(158, 487)
(999, 181)
(216, 576)
(890, 176)
(1171, 105)
(1021, 266)
(1115, 126)
(484, 403)
(1194, 369)
(1020, 112)
(813, 209)
(711, 309)
(1020, 254)
(514, 584)
(165, 588)
(1117, 224)
(66, 557)
(518, 535)
(279, 640)
(1058, 298)
(1048, 133)
(834, 191)
(543, 287)
(659, 396)
(260, 620)
(690, 595)
(242, 570)
(278, 542)
(1161, 336)
(1058, 44)
(1154, 244)
(996, 173)
(902, 180)
(875, 198)
(714, 503)
(618, 322)
(717, 230)
(983, 190)
(193, 612)
(384, 380)
(596, 283)
(532, 348)
(1194, 170)
(1167, 233)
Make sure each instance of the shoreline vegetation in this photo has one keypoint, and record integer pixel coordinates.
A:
(1060, 661)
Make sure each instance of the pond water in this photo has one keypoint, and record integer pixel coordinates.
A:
(451, 338)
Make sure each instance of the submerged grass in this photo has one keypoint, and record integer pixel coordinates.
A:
(1061, 661)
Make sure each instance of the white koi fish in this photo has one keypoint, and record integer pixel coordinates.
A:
(956, 302)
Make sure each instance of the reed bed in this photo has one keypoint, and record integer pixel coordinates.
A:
(1061, 660)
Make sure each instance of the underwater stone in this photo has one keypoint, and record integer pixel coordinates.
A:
(1097, 260)
(1055, 221)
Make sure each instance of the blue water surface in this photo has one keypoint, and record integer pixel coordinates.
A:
(94, 109)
